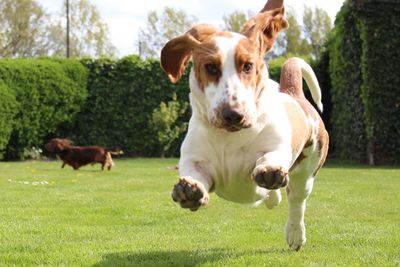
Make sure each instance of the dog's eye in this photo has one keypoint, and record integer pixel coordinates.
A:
(211, 69)
(247, 67)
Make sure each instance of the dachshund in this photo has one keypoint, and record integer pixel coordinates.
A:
(78, 156)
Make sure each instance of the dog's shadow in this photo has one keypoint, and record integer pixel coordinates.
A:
(177, 258)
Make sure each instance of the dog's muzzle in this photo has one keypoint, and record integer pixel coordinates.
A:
(232, 116)
(232, 119)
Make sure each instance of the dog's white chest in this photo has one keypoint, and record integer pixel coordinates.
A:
(231, 171)
(230, 160)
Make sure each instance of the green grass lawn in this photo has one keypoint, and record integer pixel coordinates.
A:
(125, 217)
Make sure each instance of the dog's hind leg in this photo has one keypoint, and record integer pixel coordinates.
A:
(108, 162)
(298, 190)
(274, 197)
(63, 165)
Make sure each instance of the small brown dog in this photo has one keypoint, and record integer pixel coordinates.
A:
(78, 156)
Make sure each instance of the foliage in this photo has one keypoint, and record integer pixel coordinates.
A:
(306, 39)
(88, 32)
(321, 69)
(365, 93)
(379, 24)
(28, 31)
(234, 21)
(275, 66)
(24, 28)
(291, 41)
(317, 25)
(126, 217)
(122, 96)
(164, 122)
(160, 28)
(49, 93)
(8, 107)
(348, 130)
(32, 153)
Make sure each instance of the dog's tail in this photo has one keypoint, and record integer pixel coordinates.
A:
(116, 152)
(293, 70)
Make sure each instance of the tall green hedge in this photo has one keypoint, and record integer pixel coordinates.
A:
(380, 89)
(48, 92)
(8, 107)
(364, 56)
(348, 131)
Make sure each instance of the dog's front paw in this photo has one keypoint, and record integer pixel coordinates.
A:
(295, 235)
(190, 194)
(270, 177)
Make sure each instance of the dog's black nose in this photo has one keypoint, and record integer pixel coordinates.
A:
(232, 116)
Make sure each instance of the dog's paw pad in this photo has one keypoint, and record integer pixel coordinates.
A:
(270, 177)
(190, 194)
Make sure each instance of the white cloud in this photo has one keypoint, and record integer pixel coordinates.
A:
(124, 18)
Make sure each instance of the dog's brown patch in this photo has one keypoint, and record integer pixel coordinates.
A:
(176, 53)
(207, 54)
(246, 54)
(323, 144)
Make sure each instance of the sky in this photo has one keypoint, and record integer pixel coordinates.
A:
(126, 17)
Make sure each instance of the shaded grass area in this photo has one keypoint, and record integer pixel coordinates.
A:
(125, 217)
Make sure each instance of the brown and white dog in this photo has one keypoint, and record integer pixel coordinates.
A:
(247, 136)
(78, 156)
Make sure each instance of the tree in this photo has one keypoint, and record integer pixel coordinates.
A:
(295, 43)
(317, 25)
(161, 28)
(28, 31)
(24, 27)
(235, 21)
(88, 32)
(306, 39)
(290, 42)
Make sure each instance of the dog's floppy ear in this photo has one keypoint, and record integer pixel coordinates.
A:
(176, 53)
(264, 27)
(272, 4)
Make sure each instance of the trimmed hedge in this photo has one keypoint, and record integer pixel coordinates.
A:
(8, 107)
(348, 131)
(321, 69)
(380, 89)
(365, 82)
(49, 92)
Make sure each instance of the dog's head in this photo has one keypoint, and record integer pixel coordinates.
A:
(56, 145)
(228, 68)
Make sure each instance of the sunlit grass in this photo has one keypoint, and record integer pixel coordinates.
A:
(125, 217)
